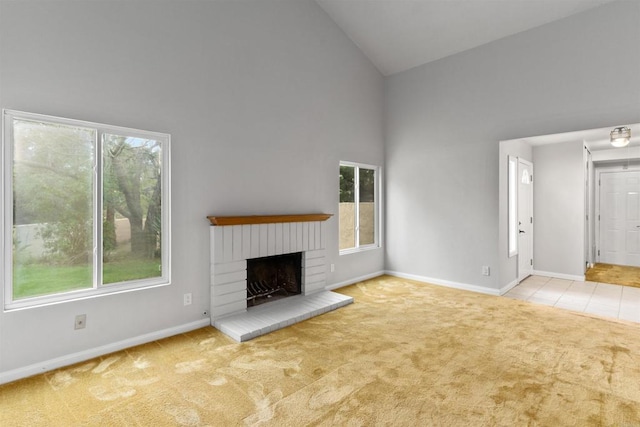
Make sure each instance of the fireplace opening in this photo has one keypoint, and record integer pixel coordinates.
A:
(272, 278)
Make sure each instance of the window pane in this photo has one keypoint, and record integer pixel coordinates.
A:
(132, 208)
(367, 206)
(52, 208)
(347, 208)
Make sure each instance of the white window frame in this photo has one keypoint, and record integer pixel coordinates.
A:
(377, 209)
(6, 212)
(512, 201)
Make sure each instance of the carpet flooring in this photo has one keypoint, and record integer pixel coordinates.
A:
(614, 274)
(404, 354)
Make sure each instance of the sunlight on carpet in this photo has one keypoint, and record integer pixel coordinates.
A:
(404, 354)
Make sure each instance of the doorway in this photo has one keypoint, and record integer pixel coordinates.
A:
(619, 217)
(567, 228)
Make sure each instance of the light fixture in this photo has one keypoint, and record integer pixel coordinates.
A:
(620, 136)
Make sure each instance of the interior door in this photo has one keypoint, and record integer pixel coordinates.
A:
(589, 232)
(525, 219)
(620, 218)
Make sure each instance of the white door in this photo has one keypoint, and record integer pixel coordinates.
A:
(620, 218)
(525, 219)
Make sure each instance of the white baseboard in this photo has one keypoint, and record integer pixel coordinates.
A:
(354, 280)
(447, 283)
(70, 359)
(558, 275)
(508, 287)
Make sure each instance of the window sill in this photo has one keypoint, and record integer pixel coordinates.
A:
(83, 294)
(360, 249)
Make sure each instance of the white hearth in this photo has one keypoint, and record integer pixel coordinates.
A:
(234, 240)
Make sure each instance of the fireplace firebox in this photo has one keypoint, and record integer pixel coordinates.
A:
(273, 277)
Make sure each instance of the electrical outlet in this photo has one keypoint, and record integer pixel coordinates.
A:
(485, 270)
(187, 299)
(81, 321)
(333, 268)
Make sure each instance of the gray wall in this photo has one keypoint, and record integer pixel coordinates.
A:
(559, 208)
(444, 121)
(262, 100)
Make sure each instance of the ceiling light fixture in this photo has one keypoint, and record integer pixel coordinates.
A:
(620, 136)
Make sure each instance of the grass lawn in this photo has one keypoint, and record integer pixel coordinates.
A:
(42, 279)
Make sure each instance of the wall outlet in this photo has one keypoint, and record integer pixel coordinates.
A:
(81, 321)
(485, 270)
(187, 299)
(333, 268)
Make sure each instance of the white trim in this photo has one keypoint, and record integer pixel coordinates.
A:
(136, 133)
(6, 215)
(380, 191)
(617, 167)
(81, 356)
(354, 280)
(558, 275)
(506, 288)
(446, 283)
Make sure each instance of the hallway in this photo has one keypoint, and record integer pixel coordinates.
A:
(619, 302)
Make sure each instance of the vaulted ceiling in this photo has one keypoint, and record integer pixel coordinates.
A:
(398, 35)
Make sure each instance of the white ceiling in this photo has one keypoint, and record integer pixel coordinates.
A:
(400, 34)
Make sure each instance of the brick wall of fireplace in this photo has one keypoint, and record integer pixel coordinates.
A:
(233, 245)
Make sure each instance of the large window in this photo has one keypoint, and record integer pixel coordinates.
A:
(86, 206)
(359, 207)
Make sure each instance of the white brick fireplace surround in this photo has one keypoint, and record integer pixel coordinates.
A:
(236, 239)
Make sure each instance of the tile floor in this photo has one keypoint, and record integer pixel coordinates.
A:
(620, 302)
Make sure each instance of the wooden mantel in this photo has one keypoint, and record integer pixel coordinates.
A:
(266, 219)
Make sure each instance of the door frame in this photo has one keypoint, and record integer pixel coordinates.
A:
(590, 210)
(622, 166)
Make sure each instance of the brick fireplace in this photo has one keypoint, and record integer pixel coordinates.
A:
(235, 240)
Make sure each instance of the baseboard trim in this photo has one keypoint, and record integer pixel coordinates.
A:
(446, 283)
(354, 280)
(81, 356)
(558, 275)
(508, 287)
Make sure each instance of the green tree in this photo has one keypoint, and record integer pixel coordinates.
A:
(347, 184)
(133, 188)
(53, 187)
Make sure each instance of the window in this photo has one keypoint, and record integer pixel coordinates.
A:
(513, 205)
(359, 207)
(87, 206)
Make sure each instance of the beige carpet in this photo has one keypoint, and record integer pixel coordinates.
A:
(615, 274)
(404, 354)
